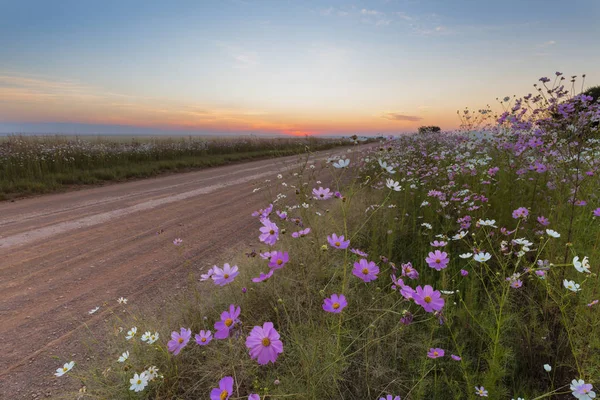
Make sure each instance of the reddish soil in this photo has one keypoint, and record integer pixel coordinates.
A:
(62, 255)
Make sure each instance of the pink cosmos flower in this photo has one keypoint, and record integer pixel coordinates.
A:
(263, 213)
(406, 291)
(203, 338)
(322, 194)
(436, 243)
(278, 260)
(593, 303)
(596, 212)
(282, 214)
(267, 255)
(254, 396)
(455, 357)
(359, 253)
(228, 320)
(224, 276)
(177, 241)
(520, 212)
(464, 272)
(208, 275)
(515, 284)
(409, 271)
(543, 220)
(264, 344)
(270, 232)
(224, 391)
(179, 340)
(338, 241)
(431, 300)
(335, 303)
(365, 270)
(301, 233)
(435, 353)
(390, 397)
(481, 392)
(263, 276)
(438, 260)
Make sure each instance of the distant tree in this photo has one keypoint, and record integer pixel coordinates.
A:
(430, 128)
(594, 91)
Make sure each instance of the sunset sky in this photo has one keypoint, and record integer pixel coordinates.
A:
(270, 67)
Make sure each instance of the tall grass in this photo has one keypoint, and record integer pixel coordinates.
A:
(38, 164)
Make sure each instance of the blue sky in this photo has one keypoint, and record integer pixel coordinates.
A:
(241, 66)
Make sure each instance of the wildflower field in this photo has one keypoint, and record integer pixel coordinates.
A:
(40, 164)
(452, 265)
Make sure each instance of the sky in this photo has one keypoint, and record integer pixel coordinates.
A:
(279, 67)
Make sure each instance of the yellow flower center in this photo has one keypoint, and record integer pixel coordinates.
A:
(336, 306)
(266, 342)
(437, 260)
(65, 369)
(365, 271)
(224, 395)
(226, 276)
(337, 244)
(427, 299)
(279, 262)
(203, 340)
(228, 322)
(180, 340)
(139, 381)
(272, 232)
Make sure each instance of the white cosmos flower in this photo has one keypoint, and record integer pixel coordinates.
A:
(279, 176)
(343, 163)
(426, 225)
(547, 367)
(123, 357)
(552, 233)
(66, 368)
(153, 338)
(487, 222)
(571, 285)
(583, 265)
(139, 382)
(482, 257)
(151, 373)
(93, 310)
(386, 167)
(459, 235)
(392, 184)
(425, 203)
(466, 255)
(122, 300)
(131, 333)
(146, 336)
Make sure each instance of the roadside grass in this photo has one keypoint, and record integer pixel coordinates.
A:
(378, 344)
(36, 165)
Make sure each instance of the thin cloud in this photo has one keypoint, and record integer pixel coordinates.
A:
(401, 117)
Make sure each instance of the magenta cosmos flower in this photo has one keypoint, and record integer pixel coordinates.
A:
(359, 252)
(455, 357)
(269, 232)
(365, 270)
(179, 340)
(438, 260)
(390, 397)
(322, 194)
(254, 396)
(335, 303)
(203, 338)
(279, 259)
(338, 241)
(228, 320)
(431, 300)
(435, 353)
(264, 344)
(224, 391)
(225, 275)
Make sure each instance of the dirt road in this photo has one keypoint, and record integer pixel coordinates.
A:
(63, 255)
